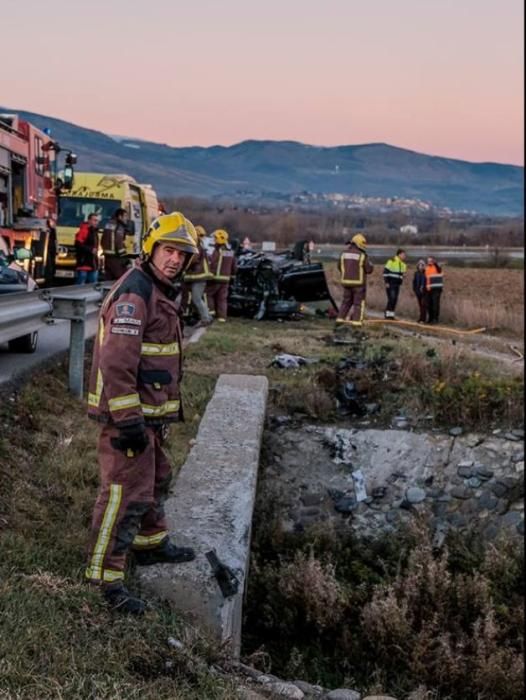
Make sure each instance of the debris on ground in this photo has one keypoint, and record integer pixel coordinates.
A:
(287, 361)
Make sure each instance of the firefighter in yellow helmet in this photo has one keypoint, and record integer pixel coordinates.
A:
(223, 267)
(134, 392)
(354, 266)
(195, 279)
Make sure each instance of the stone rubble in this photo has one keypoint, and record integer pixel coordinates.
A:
(460, 481)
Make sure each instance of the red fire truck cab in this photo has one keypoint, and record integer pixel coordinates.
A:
(29, 188)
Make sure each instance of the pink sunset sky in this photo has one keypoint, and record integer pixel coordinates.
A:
(442, 77)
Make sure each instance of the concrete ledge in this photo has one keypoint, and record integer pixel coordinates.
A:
(212, 507)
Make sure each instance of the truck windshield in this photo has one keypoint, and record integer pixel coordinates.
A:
(75, 210)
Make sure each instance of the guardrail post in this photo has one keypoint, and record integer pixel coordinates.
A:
(76, 305)
(76, 357)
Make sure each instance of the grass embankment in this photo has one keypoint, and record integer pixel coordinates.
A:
(58, 640)
(472, 297)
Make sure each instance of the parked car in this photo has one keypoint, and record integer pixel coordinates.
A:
(13, 279)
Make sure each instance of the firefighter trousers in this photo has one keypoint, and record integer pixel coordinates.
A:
(217, 297)
(353, 301)
(129, 510)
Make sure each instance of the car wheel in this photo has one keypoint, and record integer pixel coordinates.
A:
(26, 343)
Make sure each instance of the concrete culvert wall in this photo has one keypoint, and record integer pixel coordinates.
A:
(212, 507)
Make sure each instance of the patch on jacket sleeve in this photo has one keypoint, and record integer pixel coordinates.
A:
(123, 330)
(127, 320)
(125, 309)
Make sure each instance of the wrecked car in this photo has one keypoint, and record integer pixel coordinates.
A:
(275, 285)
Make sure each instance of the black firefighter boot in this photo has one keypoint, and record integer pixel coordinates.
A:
(120, 599)
(165, 553)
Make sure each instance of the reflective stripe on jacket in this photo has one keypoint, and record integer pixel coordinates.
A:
(199, 270)
(137, 359)
(434, 277)
(394, 270)
(222, 264)
(354, 266)
(113, 238)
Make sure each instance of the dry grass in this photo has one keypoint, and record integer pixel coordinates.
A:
(472, 297)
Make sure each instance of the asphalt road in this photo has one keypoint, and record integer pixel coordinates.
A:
(52, 340)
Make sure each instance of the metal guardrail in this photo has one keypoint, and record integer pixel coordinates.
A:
(23, 313)
(26, 312)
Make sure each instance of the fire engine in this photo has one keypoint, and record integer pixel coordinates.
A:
(30, 184)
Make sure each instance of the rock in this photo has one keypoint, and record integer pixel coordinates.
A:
(345, 505)
(483, 472)
(473, 482)
(487, 501)
(512, 436)
(310, 511)
(392, 516)
(502, 506)
(311, 691)
(473, 440)
(520, 527)
(518, 432)
(247, 670)
(444, 498)
(519, 467)
(465, 463)
(460, 492)
(372, 407)
(286, 690)
(517, 457)
(499, 489)
(379, 697)
(415, 494)
(465, 471)
(248, 694)
(457, 520)
(281, 420)
(379, 492)
(343, 694)
(175, 643)
(512, 518)
(455, 432)
(266, 678)
(311, 499)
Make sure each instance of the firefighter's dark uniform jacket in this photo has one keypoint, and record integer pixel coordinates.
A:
(113, 238)
(199, 270)
(137, 357)
(222, 264)
(354, 267)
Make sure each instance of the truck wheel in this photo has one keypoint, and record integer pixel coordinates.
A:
(26, 343)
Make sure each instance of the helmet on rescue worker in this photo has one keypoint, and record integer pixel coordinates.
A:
(359, 241)
(174, 229)
(220, 237)
(201, 231)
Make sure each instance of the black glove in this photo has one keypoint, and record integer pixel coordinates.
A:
(132, 437)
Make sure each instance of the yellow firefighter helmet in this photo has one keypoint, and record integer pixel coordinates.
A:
(220, 237)
(359, 241)
(171, 228)
(201, 231)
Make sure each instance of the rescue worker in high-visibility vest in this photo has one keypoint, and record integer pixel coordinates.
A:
(113, 245)
(354, 266)
(223, 267)
(195, 279)
(434, 286)
(394, 271)
(134, 392)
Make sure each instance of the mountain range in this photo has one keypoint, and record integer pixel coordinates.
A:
(288, 167)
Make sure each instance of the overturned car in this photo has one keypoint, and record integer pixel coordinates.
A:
(276, 285)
